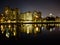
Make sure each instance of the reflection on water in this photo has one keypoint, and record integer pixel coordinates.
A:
(8, 30)
(13, 30)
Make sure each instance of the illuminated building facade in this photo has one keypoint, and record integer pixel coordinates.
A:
(26, 18)
(57, 19)
(9, 15)
(36, 18)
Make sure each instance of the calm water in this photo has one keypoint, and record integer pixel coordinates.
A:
(43, 37)
(45, 33)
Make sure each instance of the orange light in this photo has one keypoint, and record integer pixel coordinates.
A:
(36, 16)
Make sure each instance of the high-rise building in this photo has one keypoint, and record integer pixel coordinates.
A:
(7, 13)
(36, 18)
(15, 14)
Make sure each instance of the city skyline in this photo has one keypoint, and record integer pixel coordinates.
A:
(46, 7)
(28, 20)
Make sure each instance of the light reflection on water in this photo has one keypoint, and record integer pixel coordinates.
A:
(13, 30)
(42, 28)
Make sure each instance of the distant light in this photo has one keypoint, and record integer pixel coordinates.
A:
(53, 28)
(2, 32)
(9, 26)
(14, 33)
(50, 29)
(2, 27)
(42, 28)
(36, 16)
(7, 35)
(2, 20)
(6, 11)
(50, 14)
(35, 25)
(42, 16)
(2, 14)
(27, 30)
(14, 21)
(8, 21)
(37, 28)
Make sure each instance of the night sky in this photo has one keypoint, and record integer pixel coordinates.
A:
(45, 6)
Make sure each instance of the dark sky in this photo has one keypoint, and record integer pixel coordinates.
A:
(45, 6)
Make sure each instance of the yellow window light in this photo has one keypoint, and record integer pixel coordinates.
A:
(37, 28)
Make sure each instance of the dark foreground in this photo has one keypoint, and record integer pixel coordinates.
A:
(41, 38)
